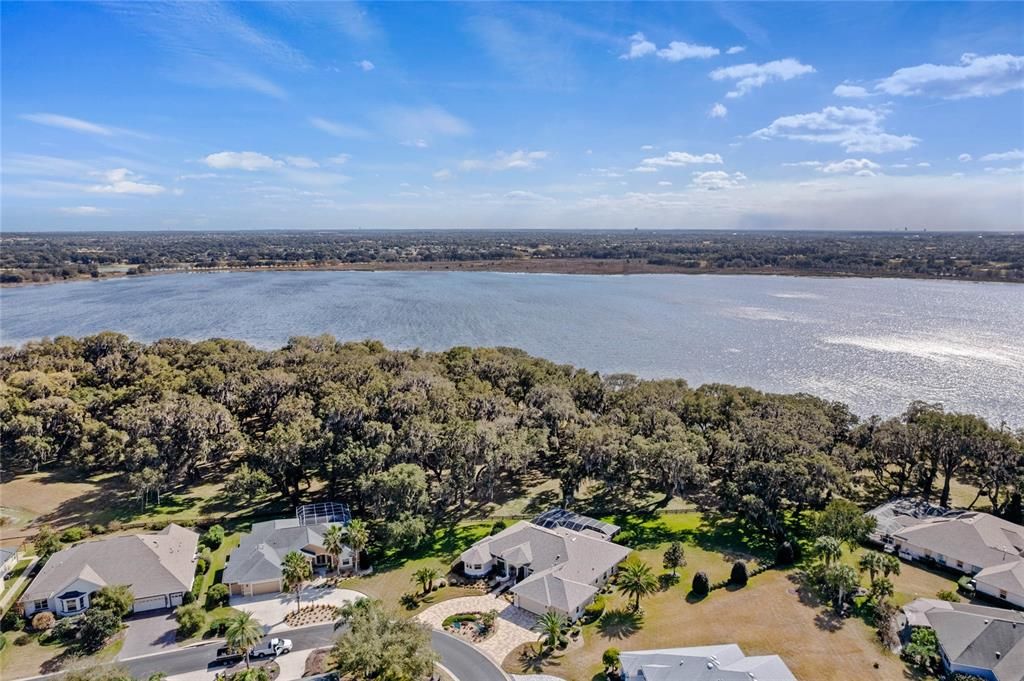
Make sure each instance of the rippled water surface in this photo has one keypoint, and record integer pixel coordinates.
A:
(874, 343)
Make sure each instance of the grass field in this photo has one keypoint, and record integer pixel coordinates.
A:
(26, 655)
(769, 616)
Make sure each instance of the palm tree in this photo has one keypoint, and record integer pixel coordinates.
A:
(551, 625)
(890, 565)
(296, 571)
(829, 550)
(358, 538)
(334, 544)
(872, 563)
(243, 632)
(882, 590)
(637, 580)
(425, 577)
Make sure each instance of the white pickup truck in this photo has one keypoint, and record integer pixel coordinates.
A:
(275, 646)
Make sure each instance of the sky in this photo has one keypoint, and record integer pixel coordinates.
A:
(215, 116)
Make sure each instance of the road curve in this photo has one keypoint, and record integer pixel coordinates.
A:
(463, 660)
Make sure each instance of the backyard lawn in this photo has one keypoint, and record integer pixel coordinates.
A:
(769, 616)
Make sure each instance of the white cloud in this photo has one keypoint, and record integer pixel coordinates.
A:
(639, 46)
(339, 159)
(519, 195)
(853, 128)
(337, 129)
(850, 91)
(864, 173)
(419, 144)
(736, 49)
(83, 210)
(647, 147)
(850, 165)
(678, 51)
(1012, 155)
(122, 181)
(301, 162)
(366, 65)
(718, 111)
(680, 158)
(664, 183)
(974, 76)
(804, 164)
(924, 164)
(240, 160)
(68, 123)
(520, 159)
(422, 124)
(1006, 170)
(643, 169)
(716, 180)
(443, 174)
(751, 76)
(900, 165)
(964, 158)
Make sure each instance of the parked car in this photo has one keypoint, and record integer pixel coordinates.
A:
(227, 656)
(275, 646)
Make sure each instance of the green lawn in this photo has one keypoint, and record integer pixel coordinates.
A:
(26, 655)
(216, 570)
(18, 570)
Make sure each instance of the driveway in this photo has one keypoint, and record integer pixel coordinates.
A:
(271, 608)
(148, 633)
(512, 629)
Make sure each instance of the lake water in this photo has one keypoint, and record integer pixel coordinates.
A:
(876, 344)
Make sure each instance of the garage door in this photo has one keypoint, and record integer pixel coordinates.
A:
(266, 587)
(151, 603)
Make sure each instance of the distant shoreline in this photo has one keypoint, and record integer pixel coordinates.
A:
(588, 266)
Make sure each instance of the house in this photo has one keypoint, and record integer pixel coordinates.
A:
(8, 559)
(255, 566)
(158, 568)
(984, 642)
(551, 569)
(974, 543)
(703, 663)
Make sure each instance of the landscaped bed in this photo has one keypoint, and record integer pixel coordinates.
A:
(476, 626)
(312, 614)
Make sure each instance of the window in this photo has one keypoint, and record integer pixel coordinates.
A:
(72, 604)
(41, 604)
(1002, 593)
(960, 564)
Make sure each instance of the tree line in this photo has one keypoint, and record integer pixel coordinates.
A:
(410, 438)
(965, 255)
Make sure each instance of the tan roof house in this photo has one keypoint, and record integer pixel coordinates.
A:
(158, 568)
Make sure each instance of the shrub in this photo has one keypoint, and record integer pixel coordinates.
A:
(701, 585)
(207, 555)
(785, 555)
(610, 658)
(97, 626)
(66, 629)
(114, 526)
(595, 609)
(498, 526)
(950, 596)
(213, 537)
(739, 575)
(43, 621)
(201, 566)
(73, 534)
(11, 621)
(98, 529)
(188, 597)
(460, 617)
(117, 599)
(217, 596)
(191, 619)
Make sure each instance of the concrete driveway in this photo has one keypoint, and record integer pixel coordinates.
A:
(271, 608)
(512, 629)
(148, 633)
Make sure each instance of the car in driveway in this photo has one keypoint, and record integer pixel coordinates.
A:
(273, 647)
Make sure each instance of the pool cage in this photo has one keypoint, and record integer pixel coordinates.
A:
(323, 512)
(560, 517)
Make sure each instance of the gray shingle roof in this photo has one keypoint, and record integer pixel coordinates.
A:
(703, 663)
(975, 538)
(564, 563)
(259, 554)
(6, 555)
(151, 564)
(982, 642)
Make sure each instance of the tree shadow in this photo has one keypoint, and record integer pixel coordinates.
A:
(619, 624)
(667, 580)
(828, 620)
(693, 597)
(534, 658)
(543, 501)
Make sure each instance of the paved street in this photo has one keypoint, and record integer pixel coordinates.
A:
(512, 628)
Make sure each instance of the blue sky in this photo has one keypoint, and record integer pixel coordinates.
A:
(404, 115)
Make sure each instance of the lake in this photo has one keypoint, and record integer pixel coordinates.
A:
(876, 344)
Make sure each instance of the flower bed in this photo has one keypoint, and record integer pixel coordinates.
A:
(476, 626)
(312, 614)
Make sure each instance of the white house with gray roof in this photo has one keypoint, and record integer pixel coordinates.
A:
(977, 640)
(255, 566)
(974, 543)
(158, 568)
(702, 663)
(552, 569)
